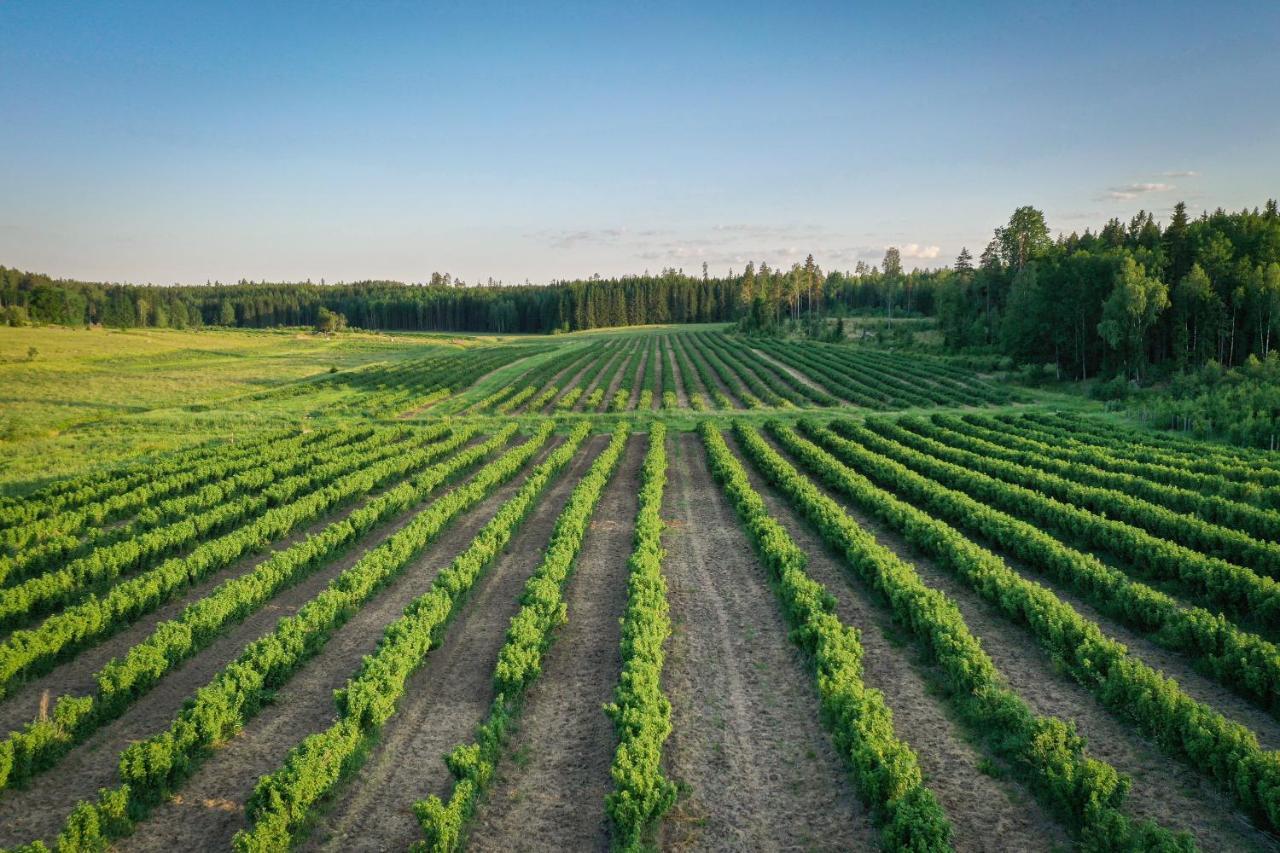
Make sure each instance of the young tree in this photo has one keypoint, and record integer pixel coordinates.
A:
(1133, 307)
(964, 261)
(892, 274)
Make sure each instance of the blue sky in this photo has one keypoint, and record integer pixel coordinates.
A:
(169, 142)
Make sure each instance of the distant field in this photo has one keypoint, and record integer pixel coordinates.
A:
(663, 587)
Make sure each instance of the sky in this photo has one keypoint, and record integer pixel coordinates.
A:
(186, 142)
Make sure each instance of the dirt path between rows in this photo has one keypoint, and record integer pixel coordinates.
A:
(570, 385)
(1164, 789)
(40, 810)
(787, 371)
(761, 772)
(445, 699)
(550, 796)
(210, 810)
(669, 363)
(616, 372)
(696, 353)
(985, 813)
(659, 368)
(677, 340)
(75, 674)
(637, 379)
(523, 408)
(606, 371)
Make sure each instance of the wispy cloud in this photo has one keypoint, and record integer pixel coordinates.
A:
(1184, 174)
(917, 252)
(1131, 191)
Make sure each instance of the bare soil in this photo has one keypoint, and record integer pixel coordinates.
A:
(759, 771)
(637, 379)
(669, 363)
(986, 813)
(791, 372)
(551, 786)
(1164, 789)
(603, 376)
(39, 811)
(75, 675)
(445, 699)
(570, 384)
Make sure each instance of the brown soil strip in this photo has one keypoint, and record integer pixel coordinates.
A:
(602, 376)
(550, 791)
(39, 811)
(75, 675)
(444, 700)
(699, 356)
(572, 383)
(669, 363)
(791, 372)
(761, 772)
(985, 813)
(1164, 789)
(615, 382)
(305, 703)
(637, 380)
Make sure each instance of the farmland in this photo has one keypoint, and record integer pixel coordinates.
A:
(662, 587)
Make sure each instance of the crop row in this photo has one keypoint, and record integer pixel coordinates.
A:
(1226, 751)
(30, 650)
(641, 712)
(1045, 751)
(1255, 482)
(839, 382)
(100, 568)
(1093, 429)
(124, 680)
(282, 801)
(101, 484)
(151, 769)
(1239, 592)
(529, 635)
(1253, 520)
(670, 396)
(1234, 546)
(800, 394)
(697, 400)
(1244, 662)
(755, 373)
(626, 380)
(247, 476)
(650, 382)
(1173, 472)
(724, 372)
(885, 769)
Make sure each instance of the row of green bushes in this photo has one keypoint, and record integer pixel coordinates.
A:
(98, 570)
(27, 651)
(1226, 751)
(1254, 520)
(258, 472)
(1242, 594)
(1244, 662)
(1214, 540)
(125, 679)
(1045, 752)
(641, 712)
(152, 769)
(886, 771)
(283, 800)
(531, 631)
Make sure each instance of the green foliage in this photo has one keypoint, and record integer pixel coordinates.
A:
(1226, 751)
(885, 770)
(1046, 752)
(640, 711)
(520, 659)
(282, 800)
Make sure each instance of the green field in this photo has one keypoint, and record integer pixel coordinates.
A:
(901, 604)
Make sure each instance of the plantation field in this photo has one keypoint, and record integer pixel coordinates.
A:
(658, 588)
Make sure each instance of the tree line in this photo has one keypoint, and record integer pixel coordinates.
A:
(1119, 301)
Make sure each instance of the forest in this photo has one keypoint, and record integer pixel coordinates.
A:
(1121, 301)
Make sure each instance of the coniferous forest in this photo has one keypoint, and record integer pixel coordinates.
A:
(1118, 300)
